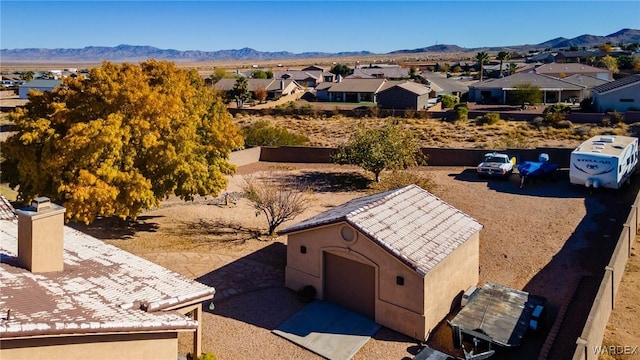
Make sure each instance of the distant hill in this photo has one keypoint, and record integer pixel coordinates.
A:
(138, 53)
(625, 36)
(442, 48)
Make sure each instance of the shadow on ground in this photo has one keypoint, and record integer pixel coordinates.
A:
(328, 181)
(557, 186)
(108, 228)
(202, 232)
(572, 277)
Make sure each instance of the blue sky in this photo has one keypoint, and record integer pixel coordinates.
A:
(300, 26)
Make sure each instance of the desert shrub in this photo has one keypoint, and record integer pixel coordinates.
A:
(490, 118)
(514, 140)
(557, 108)
(401, 178)
(554, 119)
(306, 109)
(262, 133)
(207, 356)
(410, 114)
(606, 121)
(582, 131)
(460, 112)
(564, 124)
(448, 101)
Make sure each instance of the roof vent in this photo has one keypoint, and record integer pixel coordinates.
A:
(41, 203)
(607, 139)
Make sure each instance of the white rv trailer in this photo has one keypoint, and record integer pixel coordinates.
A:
(604, 161)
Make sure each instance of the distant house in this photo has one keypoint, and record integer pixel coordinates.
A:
(39, 85)
(407, 95)
(441, 85)
(401, 257)
(562, 70)
(392, 73)
(500, 90)
(580, 56)
(275, 88)
(305, 78)
(67, 295)
(353, 90)
(545, 57)
(620, 95)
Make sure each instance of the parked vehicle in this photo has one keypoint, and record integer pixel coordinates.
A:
(604, 161)
(541, 169)
(496, 164)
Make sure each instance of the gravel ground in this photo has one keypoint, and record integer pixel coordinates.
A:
(549, 238)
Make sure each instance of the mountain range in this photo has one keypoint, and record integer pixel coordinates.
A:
(138, 53)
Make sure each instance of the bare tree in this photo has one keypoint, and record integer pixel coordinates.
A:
(277, 202)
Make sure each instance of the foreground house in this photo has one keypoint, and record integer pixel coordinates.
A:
(353, 90)
(620, 95)
(401, 257)
(67, 295)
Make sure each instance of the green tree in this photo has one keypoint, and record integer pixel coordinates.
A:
(340, 69)
(448, 101)
(625, 62)
(27, 75)
(525, 93)
(378, 149)
(482, 58)
(218, 74)
(121, 140)
(610, 63)
(512, 68)
(240, 91)
(261, 74)
(502, 56)
(413, 72)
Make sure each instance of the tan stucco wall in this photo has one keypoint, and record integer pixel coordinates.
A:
(398, 307)
(108, 347)
(41, 240)
(452, 276)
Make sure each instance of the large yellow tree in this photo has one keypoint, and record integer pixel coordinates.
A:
(121, 140)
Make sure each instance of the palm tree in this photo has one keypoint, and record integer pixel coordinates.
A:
(482, 58)
(512, 68)
(502, 56)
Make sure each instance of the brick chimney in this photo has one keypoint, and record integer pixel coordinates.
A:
(41, 236)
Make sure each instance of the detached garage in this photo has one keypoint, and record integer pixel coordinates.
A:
(401, 257)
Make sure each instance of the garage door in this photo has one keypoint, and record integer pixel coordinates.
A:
(350, 284)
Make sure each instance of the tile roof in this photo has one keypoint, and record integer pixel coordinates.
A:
(627, 80)
(358, 85)
(412, 224)
(102, 289)
(569, 68)
(544, 82)
(585, 80)
(410, 86)
(298, 75)
(42, 83)
(7, 212)
(377, 73)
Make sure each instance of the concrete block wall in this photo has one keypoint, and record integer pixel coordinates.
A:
(593, 331)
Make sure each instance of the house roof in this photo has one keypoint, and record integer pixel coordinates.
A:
(444, 84)
(102, 289)
(42, 83)
(254, 84)
(380, 72)
(625, 81)
(409, 86)
(585, 80)
(412, 224)
(584, 54)
(568, 68)
(298, 75)
(358, 85)
(544, 82)
(6, 210)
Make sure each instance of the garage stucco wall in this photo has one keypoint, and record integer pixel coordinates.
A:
(398, 307)
(156, 346)
(444, 284)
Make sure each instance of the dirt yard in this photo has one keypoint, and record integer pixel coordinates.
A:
(550, 238)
